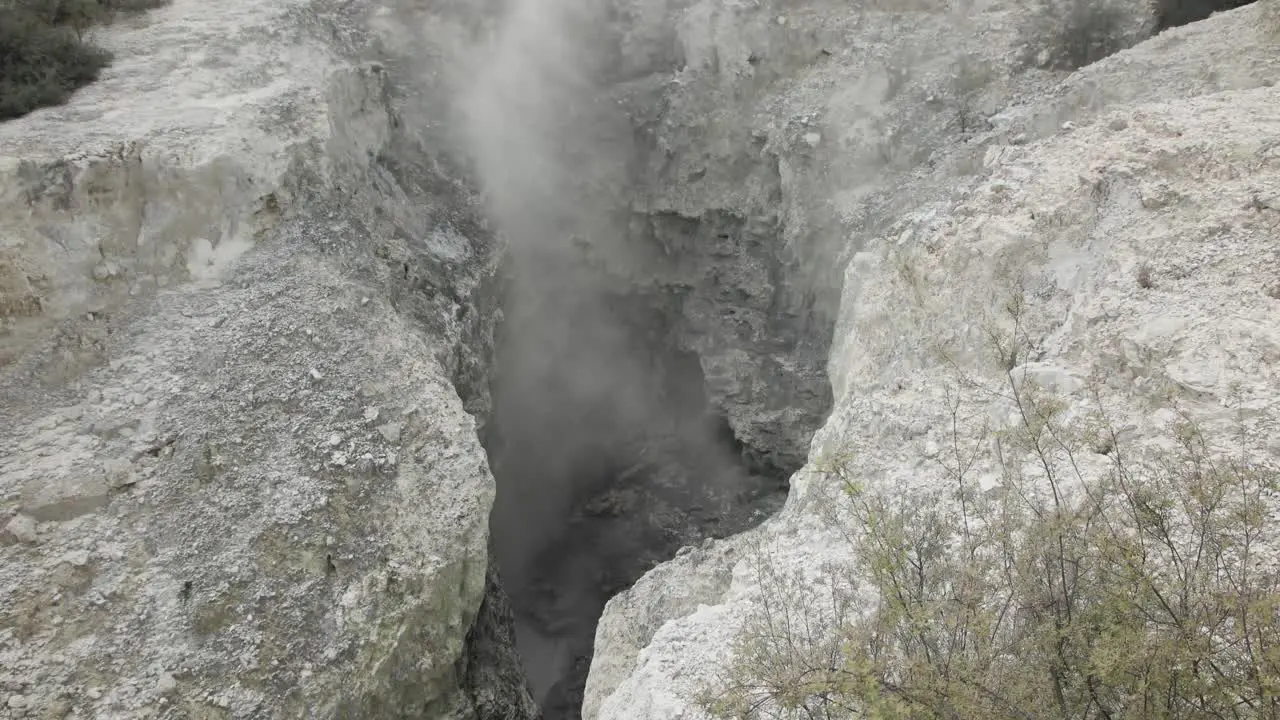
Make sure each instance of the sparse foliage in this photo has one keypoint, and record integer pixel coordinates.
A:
(41, 64)
(1144, 278)
(796, 641)
(1083, 579)
(972, 75)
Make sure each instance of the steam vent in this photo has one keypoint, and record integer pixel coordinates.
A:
(639, 359)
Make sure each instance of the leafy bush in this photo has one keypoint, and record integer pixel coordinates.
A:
(1070, 34)
(43, 58)
(1147, 587)
(41, 63)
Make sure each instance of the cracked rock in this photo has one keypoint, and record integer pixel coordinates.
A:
(22, 529)
(390, 432)
(118, 473)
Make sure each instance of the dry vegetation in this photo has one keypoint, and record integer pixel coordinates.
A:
(1092, 580)
(1096, 578)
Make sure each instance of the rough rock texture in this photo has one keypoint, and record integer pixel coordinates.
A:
(1134, 205)
(745, 117)
(236, 298)
(608, 458)
(716, 224)
(493, 674)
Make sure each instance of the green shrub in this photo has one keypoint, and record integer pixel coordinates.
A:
(1147, 597)
(41, 64)
(75, 14)
(1146, 587)
(43, 58)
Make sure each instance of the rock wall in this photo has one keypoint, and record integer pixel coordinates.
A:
(771, 140)
(717, 222)
(1131, 205)
(239, 301)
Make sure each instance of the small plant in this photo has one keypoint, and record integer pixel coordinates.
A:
(796, 636)
(1089, 580)
(973, 74)
(1143, 276)
(1145, 594)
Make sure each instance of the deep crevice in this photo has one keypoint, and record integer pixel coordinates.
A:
(1175, 13)
(609, 457)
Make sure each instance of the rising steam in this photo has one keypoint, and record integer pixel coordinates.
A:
(588, 382)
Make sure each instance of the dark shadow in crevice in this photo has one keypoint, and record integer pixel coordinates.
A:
(609, 458)
(1175, 13)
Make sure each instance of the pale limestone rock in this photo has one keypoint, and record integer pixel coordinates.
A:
(1160, 168)
(184, 247)
(390, 432)
(19, 529)
(118, 473)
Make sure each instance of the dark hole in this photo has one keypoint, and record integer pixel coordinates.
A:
(1174, 13)
(609, 458)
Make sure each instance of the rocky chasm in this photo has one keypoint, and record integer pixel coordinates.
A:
(367, 359)
(250, 324)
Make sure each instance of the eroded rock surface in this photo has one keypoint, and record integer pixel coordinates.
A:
(1131, 206)
(238, 304)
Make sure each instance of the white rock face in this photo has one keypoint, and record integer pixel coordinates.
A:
(1141, 238)
(209, 274)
